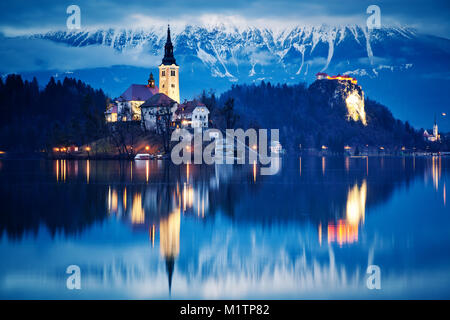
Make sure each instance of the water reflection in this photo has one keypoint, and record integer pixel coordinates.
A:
(170, 241)
(156, 188)
(346, 231)
(356, 204)
(317, 223)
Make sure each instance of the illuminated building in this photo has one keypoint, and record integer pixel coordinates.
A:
(324, 76)
(144, 102)
(169, 72)
(432, 137)
(192, 114)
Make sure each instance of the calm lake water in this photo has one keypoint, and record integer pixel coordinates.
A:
(152, 230)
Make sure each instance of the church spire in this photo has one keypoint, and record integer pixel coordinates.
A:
(151, 81)
(168, 50)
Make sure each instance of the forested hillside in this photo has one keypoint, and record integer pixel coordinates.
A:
(67, 112)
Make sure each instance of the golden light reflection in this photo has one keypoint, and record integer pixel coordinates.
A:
(444, 196)
(109, 198)
(131, 170)
(323, 165)
(320, 233)
(57, 170)
(187, 173)
(113, 200)
(147, 169)
(137, 211)
(188, 196)
(203, 207)
(88, 170)
(367, 166)
(254, 171)
(152, 235)
(346, 231)
(342, 233)
(347, 164)
(169, 235)
(124, 198)
(436, 170)
(64, 170)
(356, 204)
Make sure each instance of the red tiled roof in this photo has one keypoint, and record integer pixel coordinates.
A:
(139, 92)
(158, 100)
(188, 106)
(112, 109)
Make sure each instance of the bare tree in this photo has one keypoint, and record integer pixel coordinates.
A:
(164, 126)
(124, 133)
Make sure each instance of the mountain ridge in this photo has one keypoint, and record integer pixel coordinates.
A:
(416, 65)
(218, 47)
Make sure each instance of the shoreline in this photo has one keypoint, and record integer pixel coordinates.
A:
(41, 156)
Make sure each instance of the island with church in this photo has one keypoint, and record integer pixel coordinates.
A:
(70, 119)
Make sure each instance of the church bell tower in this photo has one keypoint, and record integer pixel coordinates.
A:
(151, 81)
(169, 71)
(435, 129)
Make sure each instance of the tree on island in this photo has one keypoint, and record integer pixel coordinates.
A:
(164, 126)
(229, 114)
(124, 134)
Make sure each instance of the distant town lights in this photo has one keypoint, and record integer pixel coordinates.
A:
(324, 147)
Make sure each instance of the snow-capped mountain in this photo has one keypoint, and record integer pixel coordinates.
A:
(258, 53)
(217, 56)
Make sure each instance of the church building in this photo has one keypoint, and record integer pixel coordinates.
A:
(168, 72)
(432, 137)
(127, 106)
(144, 102)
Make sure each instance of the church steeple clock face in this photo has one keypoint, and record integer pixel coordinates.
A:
(169, 72)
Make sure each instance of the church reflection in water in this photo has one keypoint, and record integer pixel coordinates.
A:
(156, 203)
(205, 222)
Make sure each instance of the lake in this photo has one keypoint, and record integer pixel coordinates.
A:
(148, 229)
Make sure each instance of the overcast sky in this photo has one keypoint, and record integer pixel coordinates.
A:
(24, 16)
